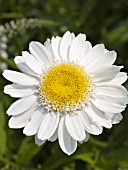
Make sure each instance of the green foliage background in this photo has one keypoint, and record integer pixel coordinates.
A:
(103, 21)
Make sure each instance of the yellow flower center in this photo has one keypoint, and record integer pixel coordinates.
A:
(65, 86)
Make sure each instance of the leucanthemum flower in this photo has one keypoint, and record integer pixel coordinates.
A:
(67, 89)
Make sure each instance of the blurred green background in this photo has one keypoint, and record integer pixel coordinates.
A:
(103, 21)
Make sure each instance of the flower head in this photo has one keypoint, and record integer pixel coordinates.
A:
(67, 89)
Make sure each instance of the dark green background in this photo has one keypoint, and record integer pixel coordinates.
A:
(103, 21)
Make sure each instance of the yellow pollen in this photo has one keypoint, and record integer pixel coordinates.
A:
(65, 86)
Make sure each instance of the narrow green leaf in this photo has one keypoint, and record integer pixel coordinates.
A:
(57, 159)
(11, 15)
(87, 9)
(9, 62)
(3, 137)
(27, 150)
(117, 35)
(87, 157)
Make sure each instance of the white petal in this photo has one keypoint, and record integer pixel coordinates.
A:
(108, 104)
(77, 47)
(125, 100)
(72, 36)
(21, 105)
(19, 61)
(32, 63)
(111, 90)
(17, 90)
(93, 54)
(114, 118)
(110, 57)
(89, 125)
(75, 127)
(65, 44)
(40, 52)
(49, 56)
(109, 99)
(32, 126)
(117, 118)
(105, 74)
(48, 46)
(106, 59)
(19, 78)
(120, 78)
(55, 43)
(66, 142)
(38, 141)
(54, 136)
(96, 55)
(48, 126)
(86, 138)
(98, 116)
(34, 54)
(87, 47)
(19, 121)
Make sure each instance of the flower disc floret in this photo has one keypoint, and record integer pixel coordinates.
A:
(65, 86)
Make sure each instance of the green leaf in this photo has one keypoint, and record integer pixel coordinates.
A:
(87, 157)
(99, 143)
(11, 15)
(119, 154)
(3, 137)
(57, 159)
(27, 150)
(87, 8)
(117, 35)
(9, 62)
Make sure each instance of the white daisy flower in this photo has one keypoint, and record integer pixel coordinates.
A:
(67, 89)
